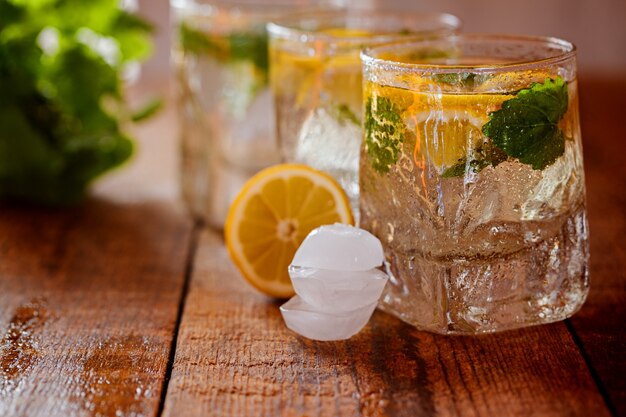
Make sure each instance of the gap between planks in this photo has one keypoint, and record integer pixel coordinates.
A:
(189, 263)
(594, 373)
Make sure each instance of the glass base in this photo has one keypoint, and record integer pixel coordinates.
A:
(540, 284)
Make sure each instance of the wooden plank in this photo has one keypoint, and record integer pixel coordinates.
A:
(88, 305)
(600, 323)
(89, 296)
(236, 358)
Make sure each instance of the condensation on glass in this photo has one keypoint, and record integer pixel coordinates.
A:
(316, 80)
(472, 176)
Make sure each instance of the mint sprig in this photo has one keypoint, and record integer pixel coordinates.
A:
(526, 127)
(237, 46)
(484, 155)
(384, 132)
(343, 114)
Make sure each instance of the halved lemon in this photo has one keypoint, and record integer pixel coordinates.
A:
(273, 213)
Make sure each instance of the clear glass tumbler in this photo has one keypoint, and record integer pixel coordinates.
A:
(472, 177)
(317, 83)
(220, 54)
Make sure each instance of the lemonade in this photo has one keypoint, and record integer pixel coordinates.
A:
(317, 83)
(226, 108)
(473, 180)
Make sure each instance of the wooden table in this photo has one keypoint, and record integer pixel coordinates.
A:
(122, 307)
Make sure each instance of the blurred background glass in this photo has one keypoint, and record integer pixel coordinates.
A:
(224, 102)
(596, 28)
(317, 83)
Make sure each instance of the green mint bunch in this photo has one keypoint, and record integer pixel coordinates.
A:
(61, 101)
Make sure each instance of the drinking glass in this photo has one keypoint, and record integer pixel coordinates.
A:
(316, 80)
(472, 176)
(225, 105)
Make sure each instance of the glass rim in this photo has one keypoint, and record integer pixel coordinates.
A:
(209, 7)
(286, 27)
(567, 52)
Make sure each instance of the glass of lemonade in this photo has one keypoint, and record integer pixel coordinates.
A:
(227, 124)
(317, 83)
(472, 176)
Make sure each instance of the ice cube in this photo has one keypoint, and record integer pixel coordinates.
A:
(329, 144)
(339, 247)
(337, 290)
(311, 323)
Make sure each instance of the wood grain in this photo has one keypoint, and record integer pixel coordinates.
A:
(236, 358)
(89, 296)
(88, 305)
(600, 323)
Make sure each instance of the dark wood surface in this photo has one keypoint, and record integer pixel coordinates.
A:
(90, 300)
(599, 326)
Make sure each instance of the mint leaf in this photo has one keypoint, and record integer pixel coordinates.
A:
(56, 135)
(343, 114)
(462, 78)
(384, 132)
(480, 158)
(237, 46)
(147, 110)
(195, 42)
(132, 35)
(250, 46)
(526, 127)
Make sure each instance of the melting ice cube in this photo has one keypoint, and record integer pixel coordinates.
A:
(334, 274)
(337, 290)
(339, 247)
(317, 324)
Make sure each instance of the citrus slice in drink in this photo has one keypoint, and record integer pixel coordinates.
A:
(273, 213)
(314, 73)
(450, 125)
(446, 126)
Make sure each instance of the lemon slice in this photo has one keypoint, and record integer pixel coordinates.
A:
(273, 213)
(309, 78)
(348, 32)
(450, 125)
(447, 127)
